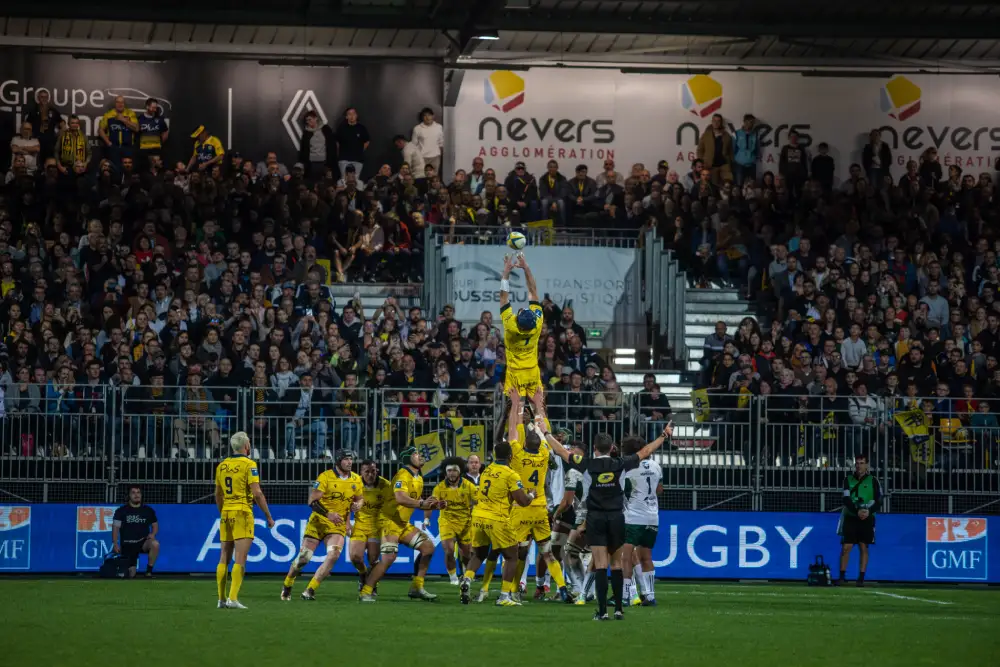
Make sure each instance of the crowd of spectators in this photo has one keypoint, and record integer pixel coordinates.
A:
(160, 307)
(877, 296)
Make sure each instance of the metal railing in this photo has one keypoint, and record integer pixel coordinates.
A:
(664, 293)
(541, 233)
(740, 452)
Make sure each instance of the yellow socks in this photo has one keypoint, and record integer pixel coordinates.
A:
(220, 580)
(366, 590)
(555, 569)
(508, 587)
(314, 584)
(451, 572)
(289, 580)
(234, 588)
(491, 567)
(470, 575)
(521, 564)
(417, 584)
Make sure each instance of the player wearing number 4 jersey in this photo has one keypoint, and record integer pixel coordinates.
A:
(520, 335)
(237, 488)
(643, 486)
(531, 461)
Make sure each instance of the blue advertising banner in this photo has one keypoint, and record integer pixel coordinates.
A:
(691, 545)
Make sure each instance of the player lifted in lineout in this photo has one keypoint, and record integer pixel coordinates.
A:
(334, 495)
(521, 333)
(366, 538)
(457, 495)
(407, 489)
(237, 488)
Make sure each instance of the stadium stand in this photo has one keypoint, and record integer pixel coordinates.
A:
(149, 311)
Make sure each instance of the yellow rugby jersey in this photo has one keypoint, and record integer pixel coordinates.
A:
(460, 500)
(375, 498)
(118, 131)
(338, 492)
(521, 346)
(532, 468)
(211, 149)
(496, 484)
(235, 475)
(410, 484)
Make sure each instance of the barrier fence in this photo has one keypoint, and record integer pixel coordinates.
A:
(735, 451)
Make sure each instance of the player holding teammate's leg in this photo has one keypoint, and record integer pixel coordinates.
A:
(643, 487)
(531, 462)
(366, 537)
(237, 488)
(499, 488)
(334, 495)
(521, 332)
(407, 489)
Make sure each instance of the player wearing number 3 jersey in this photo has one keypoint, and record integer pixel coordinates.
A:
(521, 332)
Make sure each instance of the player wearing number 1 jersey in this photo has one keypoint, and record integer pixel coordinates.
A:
(521, 332)
(643, 486)
(237, 488)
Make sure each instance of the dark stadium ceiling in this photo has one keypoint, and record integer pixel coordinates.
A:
(804, 33)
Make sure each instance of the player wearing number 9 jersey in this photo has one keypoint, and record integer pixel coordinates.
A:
(237, 487)
(521, 332)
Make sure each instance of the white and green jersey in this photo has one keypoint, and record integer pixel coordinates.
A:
(642, 507)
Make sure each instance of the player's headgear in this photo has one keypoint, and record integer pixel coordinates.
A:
(406, 453)
(526, 319)
(345, 454)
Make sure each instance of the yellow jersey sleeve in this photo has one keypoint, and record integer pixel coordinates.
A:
(320, 483)
(216, 145)
(439, 489)
(470, 492)
(515, 445)
(400, 483)
(253, 473)
(514, 482)
(509, 319)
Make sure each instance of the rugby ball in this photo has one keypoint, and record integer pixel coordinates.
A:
(516, 240)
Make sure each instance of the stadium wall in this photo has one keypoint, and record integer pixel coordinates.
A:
(586, 115)
(55, 538)
(250, 106)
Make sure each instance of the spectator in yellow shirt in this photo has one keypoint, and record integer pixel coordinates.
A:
(208, 150)
(117, 130)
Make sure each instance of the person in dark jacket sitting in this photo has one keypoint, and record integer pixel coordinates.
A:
(553, 189)
(585, 200)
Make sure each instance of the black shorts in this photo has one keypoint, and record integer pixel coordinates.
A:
(131, 552)
(606, 529)
(855, 531)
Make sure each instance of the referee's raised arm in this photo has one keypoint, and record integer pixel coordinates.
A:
(647, 451)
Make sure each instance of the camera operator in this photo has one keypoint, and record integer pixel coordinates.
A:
(134, 532)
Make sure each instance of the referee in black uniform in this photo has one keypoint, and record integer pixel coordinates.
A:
(605, 508)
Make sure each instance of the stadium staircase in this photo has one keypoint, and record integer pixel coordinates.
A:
(373, 295)
(703, 309)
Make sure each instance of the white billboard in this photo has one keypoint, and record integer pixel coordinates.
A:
(583, 116)
(595, 282)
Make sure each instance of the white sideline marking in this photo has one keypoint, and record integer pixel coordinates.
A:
(907, 597)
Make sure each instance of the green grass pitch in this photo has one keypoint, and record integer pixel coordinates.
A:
(173, 622)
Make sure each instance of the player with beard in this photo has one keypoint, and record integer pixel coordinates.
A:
(334, 495)
(366, 536)
(397, 528)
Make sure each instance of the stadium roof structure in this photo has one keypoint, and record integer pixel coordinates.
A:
(956, 35)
